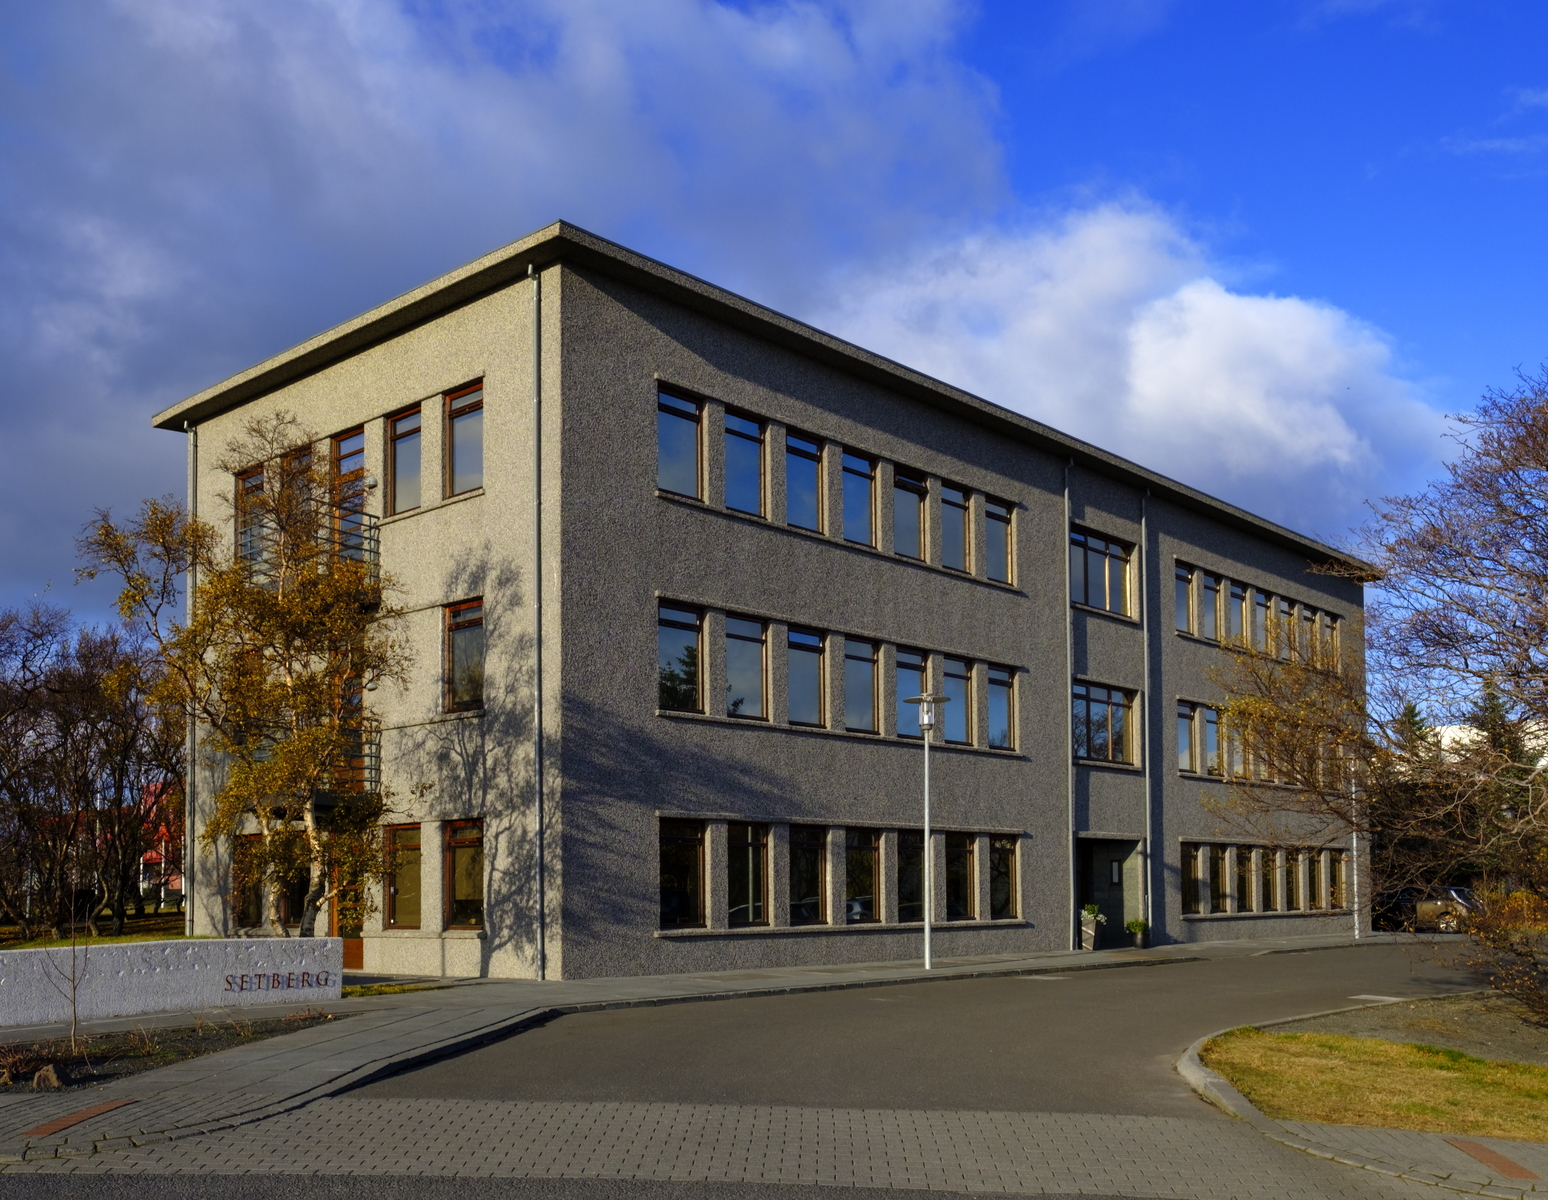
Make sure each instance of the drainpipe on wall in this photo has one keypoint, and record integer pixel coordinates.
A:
(1147, 904)
(193, 728)
(537, 611)
(1069, 720)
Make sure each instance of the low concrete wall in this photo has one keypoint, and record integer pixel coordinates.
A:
(131, 978)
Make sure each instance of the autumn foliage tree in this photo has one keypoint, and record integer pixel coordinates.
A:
(287, 632)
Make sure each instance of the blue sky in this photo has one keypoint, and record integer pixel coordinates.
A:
(1260, 247)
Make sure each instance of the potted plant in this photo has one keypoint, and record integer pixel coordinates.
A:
(1091, 919)
(1141, 931)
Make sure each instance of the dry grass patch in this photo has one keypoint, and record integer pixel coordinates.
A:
(352, 990)
(1339, 1080)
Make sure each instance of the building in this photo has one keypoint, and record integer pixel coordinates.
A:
(672, 562)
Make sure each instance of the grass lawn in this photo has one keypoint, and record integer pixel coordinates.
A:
(152, 927)
(1338, 1080)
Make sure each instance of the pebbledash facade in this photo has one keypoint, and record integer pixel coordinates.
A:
(671, 564)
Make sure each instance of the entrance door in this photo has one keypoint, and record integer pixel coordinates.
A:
(1110, 879)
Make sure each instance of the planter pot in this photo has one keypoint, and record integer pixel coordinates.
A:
(1089, 931)
(1141, 940)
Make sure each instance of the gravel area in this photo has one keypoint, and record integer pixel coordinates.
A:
(1489, 1026)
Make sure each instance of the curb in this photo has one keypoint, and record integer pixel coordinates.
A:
(19, 1152)
(1218, 1090)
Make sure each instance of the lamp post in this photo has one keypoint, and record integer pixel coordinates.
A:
(927, 704)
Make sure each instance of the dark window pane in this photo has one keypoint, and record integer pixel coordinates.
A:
(677, 659)
(1002, 878)
(403, 882)
(859, 503)
(1185, 756)
(1192, 880)
(804, 683)
(682, 873)
(910, 682)
(744, 465)
(1260, 609)
(747, 873)
(1217, 879)
(465, 656)
(954, 528)
(744, 668)
(910, 875)
(1268, 897)
(1238, 609)
(961, 902)
(677, 446)
(860, 686)
(467, 449)
(1078, 594)
(1209, 608)
(862, 869)
(465, 874)
(803, 483)
(997, 536)
(1211, 742)
(1080, 717)
(405, 463)
(1117, 583)
(808, 874)
(1244, 879)
(1183, 601)
(1001, 708)
(908, 497)
(956, 715)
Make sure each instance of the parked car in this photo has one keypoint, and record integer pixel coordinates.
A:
(1439, 909)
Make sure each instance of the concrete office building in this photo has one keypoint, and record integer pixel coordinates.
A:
(671, 561)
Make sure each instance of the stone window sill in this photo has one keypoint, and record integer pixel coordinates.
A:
(1243, 916)
(858, 927)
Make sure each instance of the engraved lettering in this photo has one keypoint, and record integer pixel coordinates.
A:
(230, 981)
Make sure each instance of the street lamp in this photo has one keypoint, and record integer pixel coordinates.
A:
(927, 704)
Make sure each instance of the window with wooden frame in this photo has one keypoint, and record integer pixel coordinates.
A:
(956, 527)
(859, 686)
(911, 681)
(804, 677)
(251, 519)
(678, 461)
(678, 678)
(862, 876)
(404, 461)
(957, 714)
(1183, 603)
(682, 874)
(997, 540)
(803, 482)
(911, 875)
(349, 494)
(465, 656)
(1099, 572)
(859, 499)
(744, 464)
(1002, 708)
(961, 883)
(747, 874)
(909, 490)
(1102, 723)
(465, 874)
(746, 668)
(808, 874)
(465, 439)
(1002, 878)
(402, 883)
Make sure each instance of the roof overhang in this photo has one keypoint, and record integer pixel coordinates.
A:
(562, 241)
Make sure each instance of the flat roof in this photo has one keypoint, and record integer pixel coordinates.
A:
(564, 242)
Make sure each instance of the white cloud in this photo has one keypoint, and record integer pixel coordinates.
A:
(1108, 324)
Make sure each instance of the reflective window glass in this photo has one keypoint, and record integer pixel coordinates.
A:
(465, 874)
(677, 446)
(910, 683)
(910, 875)
(862, 874)
(803, 482)
(1183, 602)
(961, 889)
(465, 440)
(677, 658)
(682, 873)
(747, 873)
(954, 528)
(859, 686)
(997, 540)
(808, 874)
(465, 655)
(403, 877)
(859, 500)
(1002, 708)
(403, 434)
(1002, 878)
(908, 508)
(744, 668)
(956, 715)
(804, 682)
(744, 465)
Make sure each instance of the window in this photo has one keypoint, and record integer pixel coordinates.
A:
(908, 509)
(1002, 878)
(956, 716)
(682, 873)
(1198, 738)
(1317, 866)
(804, 682)
(1209, 744)
(1330, 637)
(1217, 879)
(250, 895)
(1192, 879)
(911, 875)
(1243, 879)
(862, 872)
(1307, 642)
(1101, 717)
(677, 446)
(1284, 632)
(403, 434)
(1260, 614)
(954, 527)
(251, 523)
(1268, 871)
(677, 658)
(997, 540)
(859, 686)
(1184, 600)
(803, 482)
(744, 668)
(1099, 573)
(1238, 613)
(808, 874)
(1209, 607)
(961, 898)
(747, 873)
(465, 655)
(910, 683)
(403, 877)
(1340, 894)
(464, 874)
(1187, 754)
(1292, 891)
(859, 500)
(465, 440)
(1002, 708)
(744, 465)
(349, 493)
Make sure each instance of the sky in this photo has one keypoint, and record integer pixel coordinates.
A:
(1262, 248)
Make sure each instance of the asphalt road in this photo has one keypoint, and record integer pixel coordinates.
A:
(1091, 1042)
